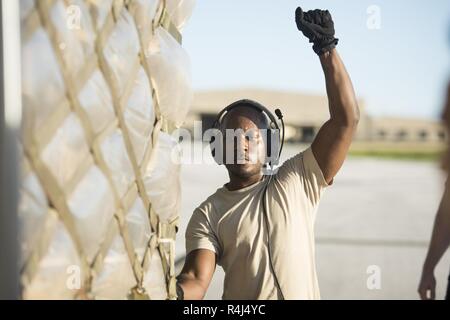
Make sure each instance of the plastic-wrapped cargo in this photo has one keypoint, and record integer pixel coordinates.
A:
(100, 10)
(33, 210)
(43, 88)
(171, 75)
(116, 278)
(75, 33)
(144, 12)
(52, 280)
(139, 227)
(121, 51)
(139, 115)
(103, 83)
(154, 283)
(66, 151)
(162, 178)
(117, 159)
(97, 102)
(26, 6)
(92, 206)
(180, 11)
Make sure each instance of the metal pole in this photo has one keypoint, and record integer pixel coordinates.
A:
(10, 117)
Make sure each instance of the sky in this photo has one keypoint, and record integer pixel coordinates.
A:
(396, 52)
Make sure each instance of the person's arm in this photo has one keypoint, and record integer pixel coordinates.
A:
(440, 241)
(333, 140)
(196, 274)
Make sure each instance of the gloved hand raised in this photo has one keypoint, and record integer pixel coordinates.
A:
(318, 26)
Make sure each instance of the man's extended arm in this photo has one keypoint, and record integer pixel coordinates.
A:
(334, 138)
(440, 240)
(196, 275)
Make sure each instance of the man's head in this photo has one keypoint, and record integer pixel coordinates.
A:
(243, 129)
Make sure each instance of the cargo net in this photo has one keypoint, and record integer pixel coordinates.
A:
(104, 83)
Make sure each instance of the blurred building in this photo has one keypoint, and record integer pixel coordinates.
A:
(304, 114)
(401, 129)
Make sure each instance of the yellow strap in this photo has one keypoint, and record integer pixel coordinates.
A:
(165, 21)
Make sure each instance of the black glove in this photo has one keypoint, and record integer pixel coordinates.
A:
(318, 26)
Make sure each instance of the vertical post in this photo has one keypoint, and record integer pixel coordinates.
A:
(10, 118)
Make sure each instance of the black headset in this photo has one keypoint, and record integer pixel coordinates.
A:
(273, 130)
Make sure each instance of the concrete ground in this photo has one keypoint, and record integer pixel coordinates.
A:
(375, 219)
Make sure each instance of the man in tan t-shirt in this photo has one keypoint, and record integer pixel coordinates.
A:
(260, 228)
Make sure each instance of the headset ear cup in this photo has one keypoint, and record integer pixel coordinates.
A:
(273, 145)
(269, 145)
(213, 150)
(219, 154)
(216, 146)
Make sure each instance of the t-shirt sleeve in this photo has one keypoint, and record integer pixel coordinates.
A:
(303, 172)
(200, 234)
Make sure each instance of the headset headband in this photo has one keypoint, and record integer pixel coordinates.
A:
(246, 103)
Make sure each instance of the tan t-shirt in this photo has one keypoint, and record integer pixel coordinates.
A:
(231, 224)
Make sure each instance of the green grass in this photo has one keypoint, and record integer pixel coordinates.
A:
(398, 154)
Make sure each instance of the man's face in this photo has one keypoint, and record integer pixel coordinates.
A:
(244, 147)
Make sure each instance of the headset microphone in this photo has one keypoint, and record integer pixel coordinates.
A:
(279, 114)
(280, 117)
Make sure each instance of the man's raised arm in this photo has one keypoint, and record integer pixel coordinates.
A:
(333, 140)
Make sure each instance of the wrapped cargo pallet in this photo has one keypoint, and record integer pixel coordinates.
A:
(104, 83)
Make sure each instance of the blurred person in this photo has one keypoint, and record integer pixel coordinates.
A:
(229, 227)
(440, 238)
